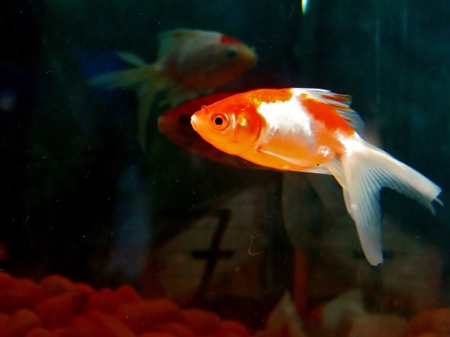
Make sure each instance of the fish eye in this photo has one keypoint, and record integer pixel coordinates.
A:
(231, 53)
(184, 120)
(220, 121)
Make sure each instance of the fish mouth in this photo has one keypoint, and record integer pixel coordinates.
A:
(194, 122)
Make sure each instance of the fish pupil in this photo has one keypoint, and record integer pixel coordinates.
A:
(218, 121)
(184, 120)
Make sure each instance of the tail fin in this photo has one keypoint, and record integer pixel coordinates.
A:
(362, 173)
(145, 78)
(129, 78)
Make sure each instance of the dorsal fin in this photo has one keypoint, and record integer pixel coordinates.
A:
(339, 102)
(170, 39)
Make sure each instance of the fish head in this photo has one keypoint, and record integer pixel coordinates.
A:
(201, 61)
(231, 57)
(176, 123)
(232, 125)
(212, 59)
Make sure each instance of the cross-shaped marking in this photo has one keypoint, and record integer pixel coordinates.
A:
(213, 254)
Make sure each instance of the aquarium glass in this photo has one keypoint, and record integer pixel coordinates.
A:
(117, 218)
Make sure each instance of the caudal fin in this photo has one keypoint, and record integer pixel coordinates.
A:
(144, 78)
(362, 173)
(129, 78)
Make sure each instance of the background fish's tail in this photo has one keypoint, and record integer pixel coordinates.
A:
(362, 174)
(129, 78)
(144, 78)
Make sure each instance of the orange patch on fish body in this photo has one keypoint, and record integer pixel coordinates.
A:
(269, 96)
(326, 114)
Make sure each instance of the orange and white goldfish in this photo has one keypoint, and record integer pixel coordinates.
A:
(190, 63)
(314, 130)
(176, 125)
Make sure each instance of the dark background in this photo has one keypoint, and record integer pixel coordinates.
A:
(72, 175)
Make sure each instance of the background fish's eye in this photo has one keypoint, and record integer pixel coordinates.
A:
(220, 121)
(184, 120)
(231, 53)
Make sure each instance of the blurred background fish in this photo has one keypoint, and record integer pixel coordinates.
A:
(190, 62)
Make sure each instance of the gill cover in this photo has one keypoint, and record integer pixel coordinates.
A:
(248, 126)
(234, 132)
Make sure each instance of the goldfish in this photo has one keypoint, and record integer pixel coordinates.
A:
(176, 126)
(189, 63)
(315, 130)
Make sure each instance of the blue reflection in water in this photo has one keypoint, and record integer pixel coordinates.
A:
(132, 229)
